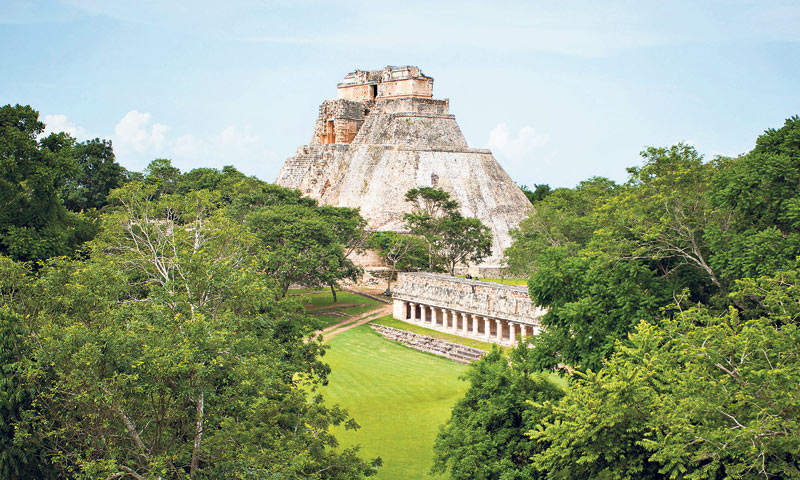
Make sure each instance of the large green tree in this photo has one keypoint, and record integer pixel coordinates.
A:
(451, 238)
(463, 240)
(34, 224)
(300, 246)
(167, 355)
(564, 218)
(97, 173)
(485, 435)
(404, 252)
(703, 397)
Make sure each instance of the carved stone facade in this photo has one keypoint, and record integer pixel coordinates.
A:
(384, 135)
(487, 311)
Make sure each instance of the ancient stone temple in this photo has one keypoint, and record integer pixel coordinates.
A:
(491, 312)
(386, 134)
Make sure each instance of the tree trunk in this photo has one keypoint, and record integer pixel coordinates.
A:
(333, 292)
(198, 437)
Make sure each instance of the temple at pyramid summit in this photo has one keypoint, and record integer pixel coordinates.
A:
(386, 134)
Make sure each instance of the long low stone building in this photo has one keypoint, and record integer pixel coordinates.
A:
(491, 312)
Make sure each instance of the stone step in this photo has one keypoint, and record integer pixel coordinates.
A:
(424, 343)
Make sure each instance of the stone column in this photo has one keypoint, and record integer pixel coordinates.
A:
(487, 328)
(399, 309)
(472, 326)
(499, 336)
(512, 332)
(424, 314)
(524, 332)
(413, 315)
(463, 323)
(453, 322)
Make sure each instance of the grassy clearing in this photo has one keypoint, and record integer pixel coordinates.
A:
(399, 397)
(389, 321)
(319, 304)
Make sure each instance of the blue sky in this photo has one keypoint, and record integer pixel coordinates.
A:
(560, 91)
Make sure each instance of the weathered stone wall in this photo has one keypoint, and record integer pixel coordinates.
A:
(494, 300)
(424, 343)
(417, 105)
(412, 87)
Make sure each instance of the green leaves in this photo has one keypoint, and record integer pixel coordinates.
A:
(484, 437)
(451, 238)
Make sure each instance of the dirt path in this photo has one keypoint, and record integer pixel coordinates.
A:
(349, 323)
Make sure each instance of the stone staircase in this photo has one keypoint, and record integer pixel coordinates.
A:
(369, 121)
(295, 168)
(423, 343)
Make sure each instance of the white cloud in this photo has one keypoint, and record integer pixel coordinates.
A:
(138, 140)
(523, 155)
(515, 148)
(60, 123)
(134, 132)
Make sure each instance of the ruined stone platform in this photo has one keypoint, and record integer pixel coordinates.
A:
(424, 343)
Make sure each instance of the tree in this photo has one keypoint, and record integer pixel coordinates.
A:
(97, 174)
(463, 240)
(705, 396)
(485, 435)
(664, 212)
(350, 230)
(403, 252)
(758, 193)
(430, 205)
(301, 247)
(166, 355)
(539, 192)
(451, 238)
(34, 224)
(161, 173)
(565, 217)
(593, 300)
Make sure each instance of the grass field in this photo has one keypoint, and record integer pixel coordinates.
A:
(319, 303)
(399, 397)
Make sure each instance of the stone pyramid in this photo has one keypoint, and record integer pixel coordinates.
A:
(384, 135)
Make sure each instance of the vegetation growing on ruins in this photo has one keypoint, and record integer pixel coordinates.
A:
(673, 311)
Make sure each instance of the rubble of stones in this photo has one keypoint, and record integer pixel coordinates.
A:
(423, 343)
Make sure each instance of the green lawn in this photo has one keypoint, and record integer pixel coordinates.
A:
(399, 397)
(319, 303)
(390, 321)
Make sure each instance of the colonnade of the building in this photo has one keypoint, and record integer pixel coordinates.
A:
(464, 324)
